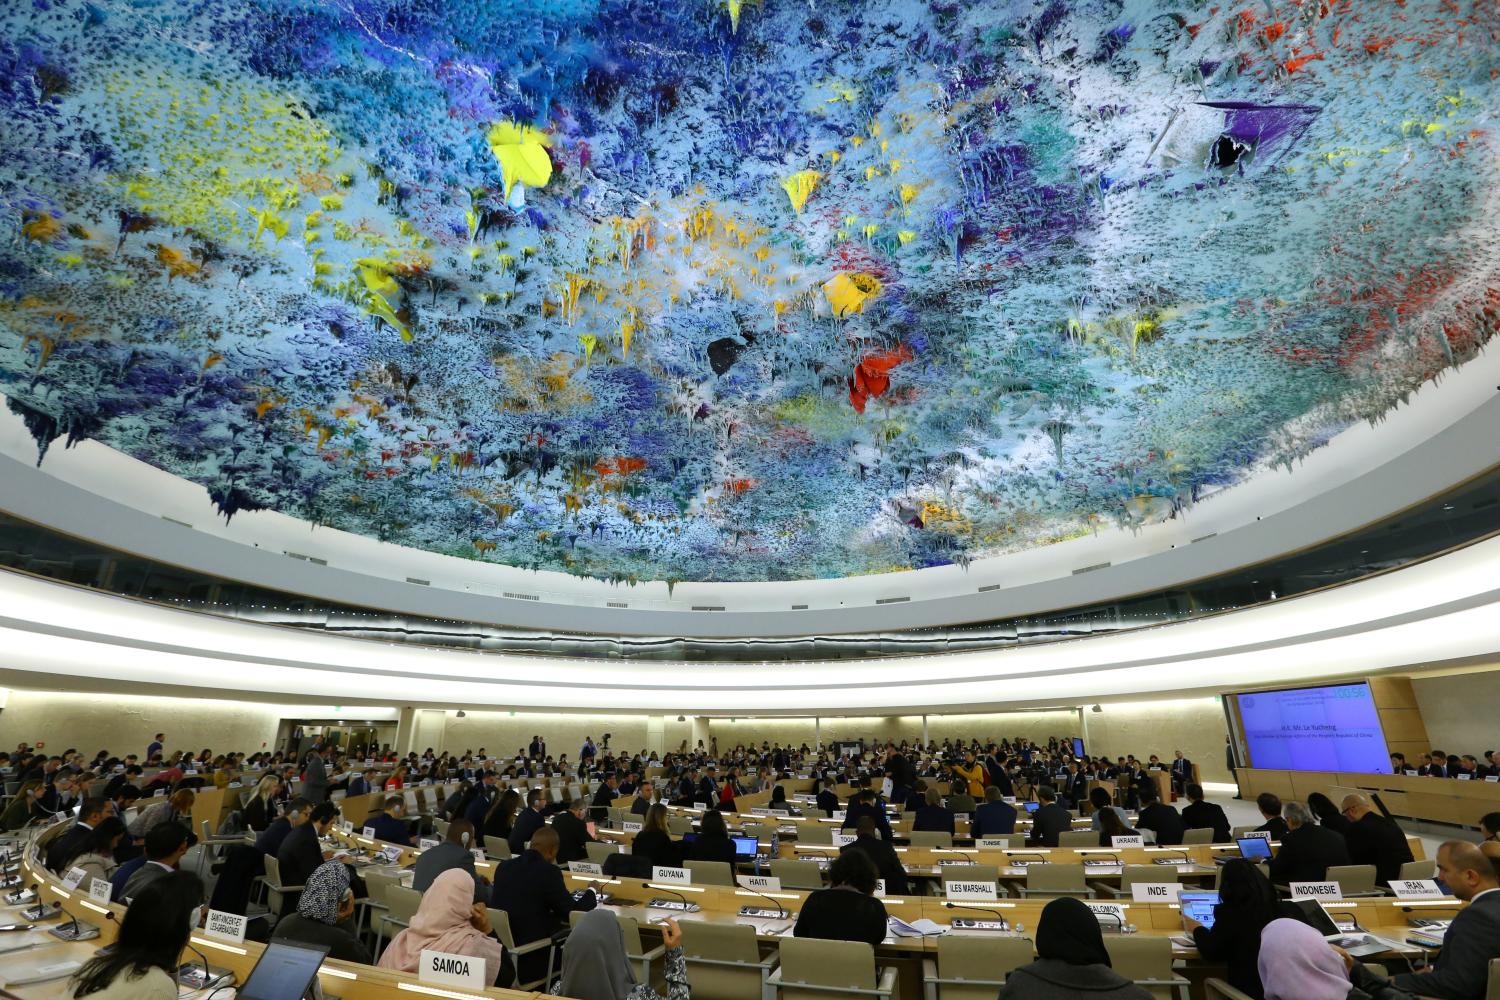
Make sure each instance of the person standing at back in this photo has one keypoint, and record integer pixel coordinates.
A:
(315, 776)
(154, 748)
(1374, 840)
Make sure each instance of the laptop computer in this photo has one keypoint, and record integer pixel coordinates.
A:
(1252, 849)
(1199, 906)
(745, 848)
(285, 971)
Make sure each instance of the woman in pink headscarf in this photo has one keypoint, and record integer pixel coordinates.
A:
(1297, 963)
(449, 921)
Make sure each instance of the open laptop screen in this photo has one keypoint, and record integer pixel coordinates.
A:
(284, 972)
(1200, 906)
(1254, 848)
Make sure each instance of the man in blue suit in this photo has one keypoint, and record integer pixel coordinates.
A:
(995, 817)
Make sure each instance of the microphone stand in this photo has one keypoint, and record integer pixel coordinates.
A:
(688, 906)
(211, 976)
(781, 913)
(1004, 924)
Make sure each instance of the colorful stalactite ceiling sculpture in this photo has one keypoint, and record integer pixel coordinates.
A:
(737, 289)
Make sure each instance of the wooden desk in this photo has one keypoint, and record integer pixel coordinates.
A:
(1434, 800)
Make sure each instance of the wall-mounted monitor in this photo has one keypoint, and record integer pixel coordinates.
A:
(1334, 728)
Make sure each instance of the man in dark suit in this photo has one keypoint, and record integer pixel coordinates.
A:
(1049, 820)
(528, 822)
(881, 853)
(315, 777)
(300, 853)
(1200, 815)
(1182, 771)
(1308, 850)
(484, 797)
(530, 889)
(572, 833)
(1473, 939)
(390, 823)
(538, 748)
(61, 850)
(1269, 805)
(864, 806)
(641, 804)
(1160, 818)
(453, 852)
(995, 817)
(604, 797)
(1374, 840)
(361, 784)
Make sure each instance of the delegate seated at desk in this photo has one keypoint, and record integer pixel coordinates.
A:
(389, 822)
(713, 842)
(1374, 840)
(864, 803)
(572, 831)
(1161, 819)
(933, 816)
(453, 852)
(531, 891)
(301, 854)
(882, 855)
(848, 910)
(994, 818)
(1200, 815)
(1050, 820)
(1461, 969)
(1308, 850)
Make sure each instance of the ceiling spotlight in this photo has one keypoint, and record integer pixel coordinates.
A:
(462, 713)
(682, 718)
(1098, 708)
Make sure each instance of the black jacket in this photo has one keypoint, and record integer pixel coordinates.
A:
(1276, 826)
(887, 863)
(341, 944)
(659, 847)
(531, 891)
(1165, 821)
(706, 848)
(1047, 822)
(858, 809)
(1235, 941)
(1307, 853)
(528, 821)
(1207, 816)
(572, 835)
(299, 856)
(436, 860)
(1051, 979)
(841, 915)
(993, 819)
(61, 850)
(938, 818)
(1462, 969)
(1377, 841)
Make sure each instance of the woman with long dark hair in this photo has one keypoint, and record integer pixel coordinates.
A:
(1247, 903)
(96, 852)
(143, 963)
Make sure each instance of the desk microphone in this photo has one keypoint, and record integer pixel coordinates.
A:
(1004, 924)
(209, 979)
(966, 858)
(1041, 858)
(781, 913)
(687, 905)
(1185, 857)
(1118, 918)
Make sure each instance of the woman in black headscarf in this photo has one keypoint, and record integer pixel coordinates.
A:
(1072, 960)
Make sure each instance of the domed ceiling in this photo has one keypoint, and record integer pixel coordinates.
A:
(696, 290)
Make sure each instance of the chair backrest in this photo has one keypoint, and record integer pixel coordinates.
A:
(1199, 835)
(711, 872)
(678, 825)
(931, 838)
(724, 942)
(818, 962)
(599, 850)
(815, 833)
(716, 942)
(1147, 874)
(1218, 989)
(760, 831)
(1078, 838)
(500, 921)
(378, 883)
(797, 874)
(978, 957)
(441, 826)
(1140, 957)
(1493, 992)
(273, 871)
(1352, 878)
(970, 873)
(1418, 869)
(492, 846)
(401, 902)
(1240, 831)
(961, 803)
(1056, 878)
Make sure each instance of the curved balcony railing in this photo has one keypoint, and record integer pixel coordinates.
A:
(1459, 517)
